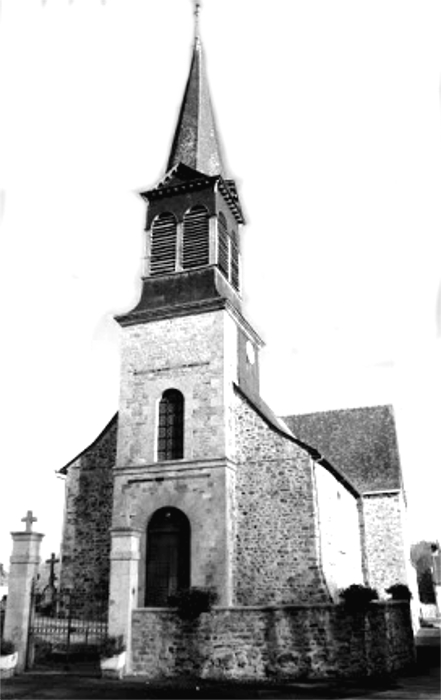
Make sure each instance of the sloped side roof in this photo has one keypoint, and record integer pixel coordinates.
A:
(108, 431)
(182, 174)
(360, 442)
(282, 427)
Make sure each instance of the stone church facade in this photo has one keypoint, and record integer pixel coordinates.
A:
(195, 482)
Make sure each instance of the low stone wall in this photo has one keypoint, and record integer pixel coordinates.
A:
(264, 643)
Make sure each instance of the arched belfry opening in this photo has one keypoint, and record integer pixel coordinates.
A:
(168, 556)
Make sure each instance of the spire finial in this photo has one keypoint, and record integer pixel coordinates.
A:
(197, 10)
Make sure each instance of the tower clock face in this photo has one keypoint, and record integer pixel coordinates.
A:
(251, 353)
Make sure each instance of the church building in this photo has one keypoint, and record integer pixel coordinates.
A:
(195, 482)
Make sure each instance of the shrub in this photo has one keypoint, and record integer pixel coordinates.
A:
(357, 598)
(399, 591)
(112, 646)
(191, 602)
(7, 647)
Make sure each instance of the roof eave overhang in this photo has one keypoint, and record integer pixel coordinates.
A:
(163, 191)
(179, 188)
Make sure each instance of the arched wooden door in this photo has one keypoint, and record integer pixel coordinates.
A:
(168, 556)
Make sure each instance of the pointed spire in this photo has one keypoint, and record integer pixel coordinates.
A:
(196, 142)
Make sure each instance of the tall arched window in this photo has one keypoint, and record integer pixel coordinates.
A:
(168, 556)
(196, 241)
(223, 245)
(235, 281)
(171, 425)
(163, 245)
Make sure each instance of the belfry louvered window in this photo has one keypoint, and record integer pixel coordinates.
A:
(163, 245)
(196, 242)
(235, 260)
(171, 426)
(223, 245)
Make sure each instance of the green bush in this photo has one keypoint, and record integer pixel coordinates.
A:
(399, 591)
(356, 598)
(112, 646)
(191, 602)
(7, 647)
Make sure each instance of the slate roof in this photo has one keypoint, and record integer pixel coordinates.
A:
(196, 142)
(360, 442)
(282, 427)
(182, 174)
(111, 425)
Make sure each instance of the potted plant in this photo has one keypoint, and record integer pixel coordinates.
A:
(113, 657)
(8, 658)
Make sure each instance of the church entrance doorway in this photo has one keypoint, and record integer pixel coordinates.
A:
(168, 556)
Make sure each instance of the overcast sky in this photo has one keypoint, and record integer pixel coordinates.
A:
(329, 113)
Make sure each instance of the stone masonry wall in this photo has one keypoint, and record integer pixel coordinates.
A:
(183, 353)
(384, 542)
(273, 643)
(192, 354)
(200, 493)
(276, 545)
(87, 520)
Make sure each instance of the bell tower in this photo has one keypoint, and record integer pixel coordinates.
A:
(184, 346)
(194, 217)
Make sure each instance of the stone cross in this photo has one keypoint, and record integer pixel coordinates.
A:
(29, 519)
(52, 561)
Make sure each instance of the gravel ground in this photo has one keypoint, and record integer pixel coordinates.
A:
(63, 685)
(84, 682)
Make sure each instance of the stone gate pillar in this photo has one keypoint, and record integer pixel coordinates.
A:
(124, 563)
(23, 567)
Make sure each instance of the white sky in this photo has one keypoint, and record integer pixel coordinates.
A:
(329, 114)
